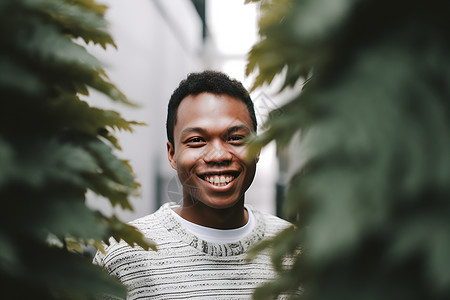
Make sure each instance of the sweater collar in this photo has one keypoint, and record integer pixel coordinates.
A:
(170, 222)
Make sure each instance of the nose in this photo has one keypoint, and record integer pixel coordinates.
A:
(218, 153)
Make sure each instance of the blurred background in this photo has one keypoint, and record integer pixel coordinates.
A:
(159, 43)
(369, 190)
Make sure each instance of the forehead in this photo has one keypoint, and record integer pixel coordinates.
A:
(208, 110)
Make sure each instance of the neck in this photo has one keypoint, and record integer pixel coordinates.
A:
(219, 218)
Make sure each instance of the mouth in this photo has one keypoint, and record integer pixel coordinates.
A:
(219, 179)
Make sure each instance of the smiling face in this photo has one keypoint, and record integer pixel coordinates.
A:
(208, 152)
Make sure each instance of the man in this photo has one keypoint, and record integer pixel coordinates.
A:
(202, 243)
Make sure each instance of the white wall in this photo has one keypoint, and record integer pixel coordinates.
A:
(234, 30)
(159, 42)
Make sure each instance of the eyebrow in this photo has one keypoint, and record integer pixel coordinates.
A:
(237, 128)
(192, 129)
(203, 131)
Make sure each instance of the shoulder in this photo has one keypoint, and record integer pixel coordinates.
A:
(155, 224)
(151, 226)
(272, 224)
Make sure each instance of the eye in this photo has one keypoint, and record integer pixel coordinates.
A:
(236, 139)
(195, 142)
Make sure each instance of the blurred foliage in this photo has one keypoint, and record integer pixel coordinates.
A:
(371, 204)
(54, 147)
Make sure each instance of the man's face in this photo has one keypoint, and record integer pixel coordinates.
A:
(209, 153)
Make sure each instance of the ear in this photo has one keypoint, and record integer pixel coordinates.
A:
(257, 156)
(171, 155)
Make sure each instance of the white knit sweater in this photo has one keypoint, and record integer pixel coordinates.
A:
(186, 267)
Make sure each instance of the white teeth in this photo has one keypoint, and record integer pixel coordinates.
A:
(219, 180)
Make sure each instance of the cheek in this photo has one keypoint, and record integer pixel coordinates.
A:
(251, 170)
(240, 152)
(188, 159)
(250, 167)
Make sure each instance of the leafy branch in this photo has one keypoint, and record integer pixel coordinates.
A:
(54, 147)
(370, 203)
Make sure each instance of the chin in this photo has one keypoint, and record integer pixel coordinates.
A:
(220, 203)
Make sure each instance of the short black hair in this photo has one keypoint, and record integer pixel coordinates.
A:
(206, 82)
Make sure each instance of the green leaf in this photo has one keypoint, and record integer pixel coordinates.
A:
(70, 276)
(130, 234)
(50, 160)
(74, 19)
(14, 75)
(53, 148)
(69, 112)
(6, 158)
(70, 218)
(47, 42)
(368, 192)
(10, 262)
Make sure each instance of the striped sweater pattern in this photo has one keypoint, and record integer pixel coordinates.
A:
(186, 267)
